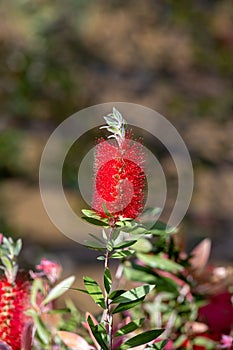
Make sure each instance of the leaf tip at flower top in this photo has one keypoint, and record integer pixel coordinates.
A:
(120, 179)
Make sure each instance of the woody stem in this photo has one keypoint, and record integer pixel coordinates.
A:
(107, 316)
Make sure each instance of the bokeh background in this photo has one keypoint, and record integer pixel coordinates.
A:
(58, 57)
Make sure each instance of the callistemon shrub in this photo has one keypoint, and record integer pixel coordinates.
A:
(119, 176)
(14, 296)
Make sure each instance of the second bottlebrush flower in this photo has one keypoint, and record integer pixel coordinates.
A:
(119, 177)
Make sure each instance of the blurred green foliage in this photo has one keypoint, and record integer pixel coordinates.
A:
(10, 152)
(59, 57)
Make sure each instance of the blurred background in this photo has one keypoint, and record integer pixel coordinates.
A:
(58, 57)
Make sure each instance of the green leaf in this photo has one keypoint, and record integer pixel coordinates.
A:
(111, 121)
(80, 290)
(133, 227)
(98, 239)
(37, 286)
(158, 345)
(142, 245)
(144, 274)
(105, 209)
(148, 225)
(109, 246)
(205, 342)
(118, 116)
(127, 306)
(116, 293)
(115, 234)
(97, 333)
(122, 254)
(94, 291)
(18, 247)
(113, 130)
(107, 280)
(6, 262)
(7, 243)
(159, 262)
(91, 213)
(93, 245)
(180, 340)
(130, 327)
(105, 236)
(140, 339)
(59, 289)
(161, 228)
(124, 244)
(133, 294)
(101, 257)
(41, 330)
(94, 221)
(59, 311)
(125, 222)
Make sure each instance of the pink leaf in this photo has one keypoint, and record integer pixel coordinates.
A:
(200, 255)
(73, 341)
(4, 346)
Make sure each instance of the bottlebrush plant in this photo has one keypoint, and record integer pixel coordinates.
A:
(119, 197)
(173, 300)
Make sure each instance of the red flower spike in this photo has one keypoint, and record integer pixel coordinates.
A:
(13, 302)
(120, 180)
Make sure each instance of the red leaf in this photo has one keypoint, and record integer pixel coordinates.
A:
(27, 336)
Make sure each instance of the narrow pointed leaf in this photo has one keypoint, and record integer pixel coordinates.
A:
(6, 262)
(116, 293)
(140, 339)
(107, 280)
(101, 257)
(59, 289)
(94, 291)
(130, 327)
(41, 330)
(159, 262)
(97, 334)
(90, 213)
(97, 239)
(93, 245)
(94, 221)
(80, 290)
(124, 244)
(146, 275)
(204, 342)
(133, 294)
(18, 247)
(122, 254)
(127, 306)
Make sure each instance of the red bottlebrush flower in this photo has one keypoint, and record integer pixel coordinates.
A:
(119, 178)
(14, 299)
